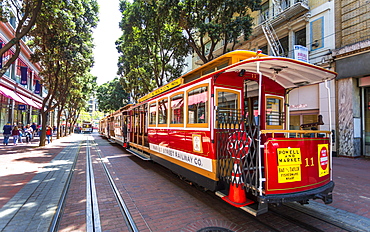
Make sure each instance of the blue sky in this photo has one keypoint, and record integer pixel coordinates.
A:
(105, 35)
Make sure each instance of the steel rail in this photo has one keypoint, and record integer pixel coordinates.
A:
(60, 207)
(92, 209)
(125, 211)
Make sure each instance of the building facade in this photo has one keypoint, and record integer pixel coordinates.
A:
(307, 25)
(20, 88)
(352, 60)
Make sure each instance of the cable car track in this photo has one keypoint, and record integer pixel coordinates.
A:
(93, 223)
(124, 210)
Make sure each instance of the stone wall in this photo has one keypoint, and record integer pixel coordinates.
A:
(348, 109)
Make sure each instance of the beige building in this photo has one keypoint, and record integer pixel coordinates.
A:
(352, 59)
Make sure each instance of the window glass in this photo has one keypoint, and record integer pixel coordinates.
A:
(273, 111)
(367, 115)
(300, 37)
(285, 44)
(177, 109)
(197, 105)
(153, 113)
(295, 122)
(228, 104)
(162, 111)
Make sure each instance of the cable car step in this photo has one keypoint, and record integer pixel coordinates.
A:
(138, 153)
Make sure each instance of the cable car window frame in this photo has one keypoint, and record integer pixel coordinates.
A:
(237, 110)
(151, 124)
(206, 107)
(173, 123)
(280, 116)
(160, 102)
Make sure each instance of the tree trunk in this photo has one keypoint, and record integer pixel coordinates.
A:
(44, 119)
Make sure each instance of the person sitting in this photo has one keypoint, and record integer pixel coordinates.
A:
(28, 131)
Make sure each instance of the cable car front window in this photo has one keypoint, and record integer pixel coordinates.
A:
(227, 103)
(274, 119)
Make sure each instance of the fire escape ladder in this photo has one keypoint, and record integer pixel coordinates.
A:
(272, 39)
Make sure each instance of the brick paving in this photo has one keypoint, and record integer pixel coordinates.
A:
(22, 163)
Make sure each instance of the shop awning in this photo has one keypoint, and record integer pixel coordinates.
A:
(11, 94)
(39, 105)
(29, 101)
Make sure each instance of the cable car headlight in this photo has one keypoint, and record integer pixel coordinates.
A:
(242, 72)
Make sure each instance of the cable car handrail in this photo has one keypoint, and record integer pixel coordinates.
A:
(300, 132)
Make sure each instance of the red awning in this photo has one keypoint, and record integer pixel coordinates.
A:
(11, 94)
(39, 105)
(29, 101)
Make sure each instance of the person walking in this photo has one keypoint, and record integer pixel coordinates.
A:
(15, 133)
(20, 135)
(7, 132)
(34, 129)
(49, 133)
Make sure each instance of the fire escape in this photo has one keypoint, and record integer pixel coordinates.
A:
(281, 10)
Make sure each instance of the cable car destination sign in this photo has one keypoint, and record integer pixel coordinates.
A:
(289, 164)
(162, 89)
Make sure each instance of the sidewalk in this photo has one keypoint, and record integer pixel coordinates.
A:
(32, 180)
(29, 190)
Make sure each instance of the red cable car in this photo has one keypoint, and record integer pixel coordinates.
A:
(224, 126)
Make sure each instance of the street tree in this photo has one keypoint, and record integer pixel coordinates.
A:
(63, 46)
(111, 96)
(24, 13)
(152, 48)
(208, 24)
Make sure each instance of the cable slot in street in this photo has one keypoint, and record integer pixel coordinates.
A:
(92, 209)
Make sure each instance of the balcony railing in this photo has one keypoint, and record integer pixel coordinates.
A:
(289, 8)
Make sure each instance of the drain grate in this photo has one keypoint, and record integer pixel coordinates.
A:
(214, 229)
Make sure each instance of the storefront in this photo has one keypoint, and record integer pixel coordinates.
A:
(309, 105)
(353, 90)
(17, 108)
(364, 84)
(4, 110)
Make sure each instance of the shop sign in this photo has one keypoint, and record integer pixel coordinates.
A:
(22, 107)
(301, 53)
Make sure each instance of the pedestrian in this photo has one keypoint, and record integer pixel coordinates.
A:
(49, 133)
(34, 129)
(7, 132)
(15, 133)
(21, 132)
(28, 131)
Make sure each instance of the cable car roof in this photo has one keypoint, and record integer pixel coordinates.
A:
(289, 73)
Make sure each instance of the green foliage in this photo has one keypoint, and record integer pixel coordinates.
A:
(157, 36)
(111, 96)
(84, 116)
(63, 46)
(210, 23)
(97, 115)
(152, 48)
